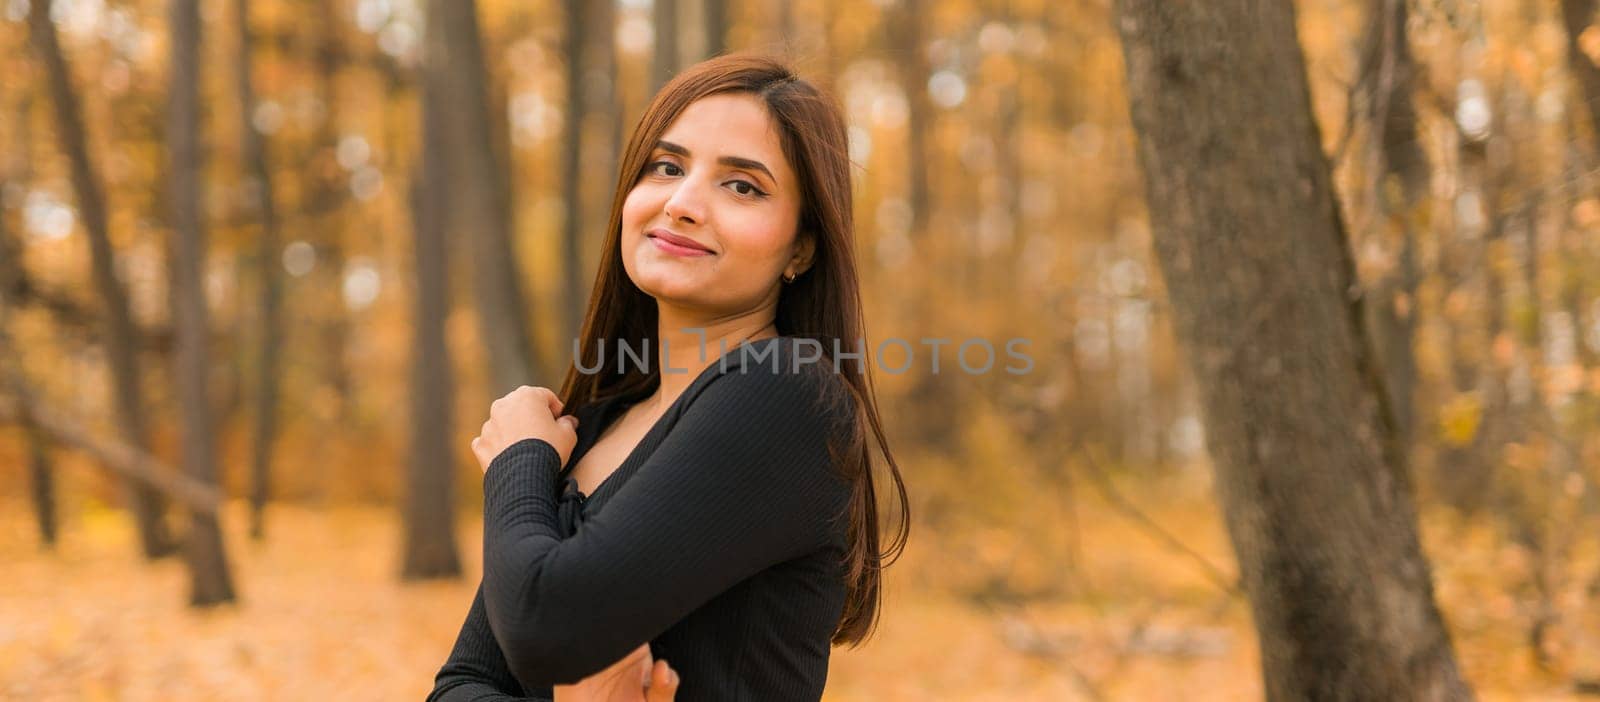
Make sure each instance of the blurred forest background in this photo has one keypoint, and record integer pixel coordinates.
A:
(264, 264)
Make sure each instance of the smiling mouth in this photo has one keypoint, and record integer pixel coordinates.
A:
(676, 245)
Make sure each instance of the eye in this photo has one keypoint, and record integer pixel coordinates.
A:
(664, 168)
(745, 187)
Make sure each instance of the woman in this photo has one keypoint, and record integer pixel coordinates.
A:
(713, 507)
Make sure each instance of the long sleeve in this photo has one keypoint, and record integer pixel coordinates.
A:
(743, 481)
(476, 670)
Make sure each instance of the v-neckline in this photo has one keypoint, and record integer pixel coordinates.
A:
(609, 411)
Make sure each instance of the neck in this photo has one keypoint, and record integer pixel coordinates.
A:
(690, 342)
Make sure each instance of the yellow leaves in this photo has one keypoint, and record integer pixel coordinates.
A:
(1589, 43)
(1525, 63)
(1402, 304)
(1523, 457)
(998, 69)
(1457, 303)
(1504, 349)
(1459, 419)
(1587, 211)
(1573, 485)
(1564, 379)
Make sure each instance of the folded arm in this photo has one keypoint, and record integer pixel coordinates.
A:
(742, 482)
(476, 670)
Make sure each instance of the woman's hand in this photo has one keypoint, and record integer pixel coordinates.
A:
(632, 679)
(525, 413)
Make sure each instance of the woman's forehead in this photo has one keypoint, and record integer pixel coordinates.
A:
(728, 124)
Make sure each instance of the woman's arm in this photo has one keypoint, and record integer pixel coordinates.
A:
(742, 482)
(476, 670)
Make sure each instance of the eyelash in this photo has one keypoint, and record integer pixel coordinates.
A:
(754, 191)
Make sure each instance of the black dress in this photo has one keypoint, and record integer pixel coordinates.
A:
(719, 540)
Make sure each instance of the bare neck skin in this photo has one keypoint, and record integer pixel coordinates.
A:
(692, 341)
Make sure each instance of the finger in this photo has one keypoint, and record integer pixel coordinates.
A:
(550, 400)
(663, 683)
(570, 422)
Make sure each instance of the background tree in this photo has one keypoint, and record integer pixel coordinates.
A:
(269, 274)
(210, 581)
(664, 59)
(118, 335)
(1311, 475)
(478, 192)
(429, 548)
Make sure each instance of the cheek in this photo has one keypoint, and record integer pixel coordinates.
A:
(759, 239)
(636, 206)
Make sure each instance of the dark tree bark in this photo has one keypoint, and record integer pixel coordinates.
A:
(429, 547)
(1397, 180)
(477, 190)
(664, 63)
(42, 483)
(577, 22)
(20, 403)
(270, 293)
(1311, 475)
(906, 33)
(117, 330)
(329, 197)
(589, 44)
(41, 474)
(210, 581)
(714, 23)
(1576, 15)
(716, 27)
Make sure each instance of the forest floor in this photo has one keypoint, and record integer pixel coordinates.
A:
(971, 613)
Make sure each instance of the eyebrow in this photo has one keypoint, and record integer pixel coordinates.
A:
(748, 164)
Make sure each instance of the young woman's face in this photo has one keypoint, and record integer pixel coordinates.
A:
(711, 223)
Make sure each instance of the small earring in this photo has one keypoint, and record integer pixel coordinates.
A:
(788, 278)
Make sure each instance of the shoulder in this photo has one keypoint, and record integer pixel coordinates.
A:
(776, 391)
(796, 375)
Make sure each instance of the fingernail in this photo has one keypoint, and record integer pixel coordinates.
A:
(672, 676)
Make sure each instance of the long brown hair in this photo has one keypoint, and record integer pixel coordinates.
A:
(823, 303)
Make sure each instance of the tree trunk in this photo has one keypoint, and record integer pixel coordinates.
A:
(429, 549)
(117, 321)
(577, 22)
(1395, 159)
(329, 194)
(210, 581)
(1576, 15)
(21, 404)
(271, 279)
(41, 483)
(477, 190)
(716, 27)
(1311, 476)
(664, 64)
(906, 32)
(589, 45)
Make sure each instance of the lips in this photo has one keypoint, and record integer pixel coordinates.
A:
(672, 243)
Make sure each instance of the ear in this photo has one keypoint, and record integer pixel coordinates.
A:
(805, 249)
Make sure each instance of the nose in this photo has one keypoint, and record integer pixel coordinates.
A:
(687, 204)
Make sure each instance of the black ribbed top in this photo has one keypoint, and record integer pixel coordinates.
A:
(718, 540)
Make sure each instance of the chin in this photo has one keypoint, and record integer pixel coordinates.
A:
(669, 287)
